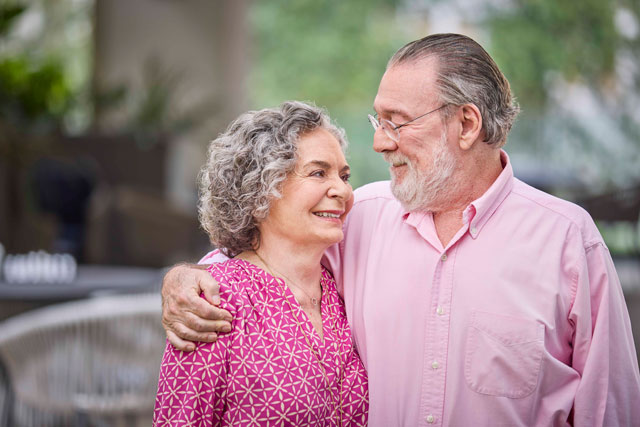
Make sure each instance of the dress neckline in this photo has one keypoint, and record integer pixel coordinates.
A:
(277, 284)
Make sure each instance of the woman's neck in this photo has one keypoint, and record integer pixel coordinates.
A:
(289, 259)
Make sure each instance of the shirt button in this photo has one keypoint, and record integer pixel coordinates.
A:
(443, 257)
(435, 364)
(474, 230)
(440, 310)
(431, 419)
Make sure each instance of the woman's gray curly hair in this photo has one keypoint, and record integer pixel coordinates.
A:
(245, 169)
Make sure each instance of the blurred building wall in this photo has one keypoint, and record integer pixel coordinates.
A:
(205, 42)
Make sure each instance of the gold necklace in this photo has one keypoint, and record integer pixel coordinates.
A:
(313, 300)
(337, 402)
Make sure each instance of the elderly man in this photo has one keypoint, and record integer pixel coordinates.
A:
(474, 299)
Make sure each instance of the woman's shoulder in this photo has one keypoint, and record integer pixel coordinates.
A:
(240, 279)
(232, 273)
(235, 281)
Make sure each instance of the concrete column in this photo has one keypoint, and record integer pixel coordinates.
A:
(205, 42)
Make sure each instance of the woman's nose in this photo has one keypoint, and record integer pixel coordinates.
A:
(340, 188)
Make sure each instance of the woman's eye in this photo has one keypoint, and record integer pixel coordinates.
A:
(318, 173)
(346, 177)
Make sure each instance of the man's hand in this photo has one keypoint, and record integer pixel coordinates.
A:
(185, 315)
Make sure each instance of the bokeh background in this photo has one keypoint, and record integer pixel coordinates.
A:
(107, 106)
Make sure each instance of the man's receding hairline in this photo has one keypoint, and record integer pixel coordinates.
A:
(415, 60)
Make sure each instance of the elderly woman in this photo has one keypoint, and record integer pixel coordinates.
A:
(274, 193)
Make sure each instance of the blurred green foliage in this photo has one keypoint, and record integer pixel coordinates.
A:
(335, 52)
(623, 238)
(531, 38)
(332, 53)
(550, 48)
(34, 93)
(8, 13)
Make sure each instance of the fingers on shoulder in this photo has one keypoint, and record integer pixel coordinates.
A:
(204, 309)
(180, 344)
(185, 339)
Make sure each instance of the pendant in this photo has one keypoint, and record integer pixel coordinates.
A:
(314, 301)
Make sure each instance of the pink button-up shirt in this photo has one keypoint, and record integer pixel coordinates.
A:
(519, 321)
(264, 372)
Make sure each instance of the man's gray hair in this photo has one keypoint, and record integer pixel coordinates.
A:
(245, 169)
(467, 75)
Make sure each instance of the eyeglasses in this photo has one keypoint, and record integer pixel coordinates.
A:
(391, 129)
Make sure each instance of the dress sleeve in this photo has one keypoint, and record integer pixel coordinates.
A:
(192, 387)
(603, 349)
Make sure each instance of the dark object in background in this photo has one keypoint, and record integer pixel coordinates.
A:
(6, 396)
(102, 198)
(63, 188)
(119, 160)
(617, 205)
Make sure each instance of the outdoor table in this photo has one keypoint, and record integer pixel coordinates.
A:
(90, 280)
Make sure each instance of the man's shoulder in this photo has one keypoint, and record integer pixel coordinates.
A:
(375, 201)
(374, 205)
(379, 190)
(554, 207)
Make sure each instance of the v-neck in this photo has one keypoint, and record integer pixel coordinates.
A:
(279, 288)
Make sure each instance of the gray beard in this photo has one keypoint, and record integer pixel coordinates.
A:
(428, 191)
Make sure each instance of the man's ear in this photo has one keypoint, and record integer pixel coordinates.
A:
(471, 125)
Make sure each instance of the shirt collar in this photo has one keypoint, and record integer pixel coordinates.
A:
(480, 210)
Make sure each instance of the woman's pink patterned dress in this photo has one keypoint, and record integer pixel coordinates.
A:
(263, 371)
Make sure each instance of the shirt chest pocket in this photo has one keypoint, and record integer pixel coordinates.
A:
(503, 355)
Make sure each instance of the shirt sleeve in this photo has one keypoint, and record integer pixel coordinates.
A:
(213, 257)
(192, 388)
(332, 261)
(603, 349)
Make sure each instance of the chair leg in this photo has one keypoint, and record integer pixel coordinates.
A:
(6, 397)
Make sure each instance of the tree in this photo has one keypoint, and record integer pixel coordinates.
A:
(574, 68)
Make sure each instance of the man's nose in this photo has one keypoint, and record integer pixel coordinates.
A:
(382, 142)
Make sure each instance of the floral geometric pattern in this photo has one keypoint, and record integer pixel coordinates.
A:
(263, 372)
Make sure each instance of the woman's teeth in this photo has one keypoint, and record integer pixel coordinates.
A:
(327, 214)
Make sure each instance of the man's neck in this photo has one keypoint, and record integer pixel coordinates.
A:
(474, 180)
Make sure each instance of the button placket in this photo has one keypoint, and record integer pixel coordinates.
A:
(435, 363)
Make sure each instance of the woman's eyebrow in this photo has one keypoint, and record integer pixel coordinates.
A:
(325, 165)
(319, 163)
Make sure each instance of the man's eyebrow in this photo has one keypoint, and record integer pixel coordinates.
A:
(391, 112)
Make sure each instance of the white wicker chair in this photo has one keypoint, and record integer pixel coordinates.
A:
(88, 363)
